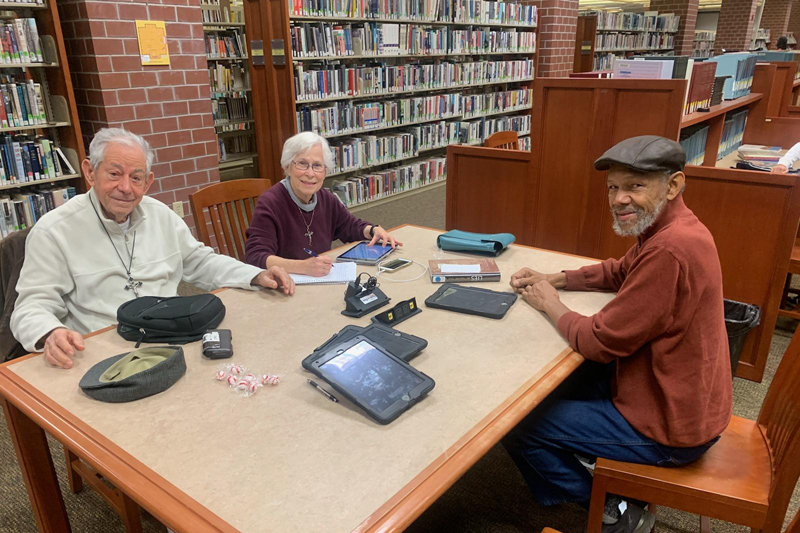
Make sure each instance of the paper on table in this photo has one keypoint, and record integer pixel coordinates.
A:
(449, 268)
(340, 273)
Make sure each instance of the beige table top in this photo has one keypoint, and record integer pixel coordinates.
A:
(287, 459)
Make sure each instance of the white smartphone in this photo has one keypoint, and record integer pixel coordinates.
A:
(394, 265)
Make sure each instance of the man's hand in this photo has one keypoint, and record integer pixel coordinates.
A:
(383, 236)
(544, 297)
(60, 346)
(317, 266)
(779, 169)
(525, 277)
(275, 277)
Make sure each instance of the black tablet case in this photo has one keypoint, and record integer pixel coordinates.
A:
(473, 301)
(401, 345)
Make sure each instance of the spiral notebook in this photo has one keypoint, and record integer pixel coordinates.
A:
(340, 273)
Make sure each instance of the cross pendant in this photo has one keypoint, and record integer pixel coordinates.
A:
(133, 285)
(309, 233)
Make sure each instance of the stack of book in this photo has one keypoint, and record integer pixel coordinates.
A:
(19, 42)
(716, 93)
(693, 140)
(732, 132)
(701, 86)
(21, 211)
(761, 155)
(25, 159)
(463, 270)
(740, 66)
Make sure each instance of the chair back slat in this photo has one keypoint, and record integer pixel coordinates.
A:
(229, 206)
(508, 140)
(779, 420)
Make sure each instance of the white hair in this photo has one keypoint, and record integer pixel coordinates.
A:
(97, 148)
(302, 143)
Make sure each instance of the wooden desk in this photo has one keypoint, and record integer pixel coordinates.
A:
(200, 458)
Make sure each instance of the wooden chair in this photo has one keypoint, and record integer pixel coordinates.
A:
(788, 310)
(508, 140)
(746, 478)
(230, 207)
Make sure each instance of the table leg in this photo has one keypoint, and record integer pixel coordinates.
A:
(36, 463)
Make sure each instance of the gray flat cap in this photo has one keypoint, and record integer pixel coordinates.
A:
(646, 153)
(134, 375)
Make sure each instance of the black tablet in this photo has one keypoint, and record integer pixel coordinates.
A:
(372, 378)
(471, 300)
(402, 345)
(363, 254)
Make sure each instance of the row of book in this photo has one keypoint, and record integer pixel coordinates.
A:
(525, 143)
(231, 147)
(338, 81)
(347, 117)
(225, 46)
(214, 12)
(376, 185)
(324, 39)
(633, 41)
(227, 108)
(474, 105)
(24, 159)
(604, 61)
(224, 77)
(703, 49)
(703, 35)
(370, 150)
(647, 21)
(23, 210)
(740, 66)
(460, 11)
(693, 141)
(477, 131)
(22, 104)
(732, 132)
(29, 2)
(19, 42)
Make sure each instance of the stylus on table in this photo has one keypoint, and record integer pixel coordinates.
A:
(310, 252)
(327, 394)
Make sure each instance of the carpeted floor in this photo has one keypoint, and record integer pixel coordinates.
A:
(490, 498)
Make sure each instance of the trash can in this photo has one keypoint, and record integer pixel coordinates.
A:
(740, 318)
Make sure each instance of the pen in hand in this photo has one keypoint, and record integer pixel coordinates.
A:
(310, 252)
(327, 394)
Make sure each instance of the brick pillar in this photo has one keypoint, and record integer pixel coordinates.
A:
(169, 105)
(558, 22)
(735, 27)
(775, 18)
(794, 20)
(687, 11)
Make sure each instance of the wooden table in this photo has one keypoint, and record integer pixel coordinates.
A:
(201, 458)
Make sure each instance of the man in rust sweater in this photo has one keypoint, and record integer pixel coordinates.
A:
(657, 386)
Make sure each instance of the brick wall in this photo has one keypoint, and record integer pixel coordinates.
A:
(794, 20)
(558, 22)
(775, 18)
(170, 106)
(687, 10)
(735, 26)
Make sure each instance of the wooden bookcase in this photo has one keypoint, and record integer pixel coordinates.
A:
(277, 98)
(594, 26)
(553, 198)
(63, 126)
(231, 92)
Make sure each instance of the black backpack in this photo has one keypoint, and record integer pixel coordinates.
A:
(173, 320)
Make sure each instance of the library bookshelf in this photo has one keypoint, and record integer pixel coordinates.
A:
(390, 90)
(39, 125)
(229, 77)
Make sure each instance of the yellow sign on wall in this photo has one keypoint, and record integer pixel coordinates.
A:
(153, 48)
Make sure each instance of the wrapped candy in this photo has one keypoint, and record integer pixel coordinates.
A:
(244, 382)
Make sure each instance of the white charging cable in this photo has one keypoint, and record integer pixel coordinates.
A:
(381, 271)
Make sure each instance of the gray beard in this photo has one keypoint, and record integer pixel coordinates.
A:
(644, 220)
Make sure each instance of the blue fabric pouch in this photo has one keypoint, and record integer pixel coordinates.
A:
(474, 243)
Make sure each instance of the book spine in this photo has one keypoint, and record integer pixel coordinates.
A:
(447, 278)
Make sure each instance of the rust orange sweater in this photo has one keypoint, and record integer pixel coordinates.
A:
(665, 329)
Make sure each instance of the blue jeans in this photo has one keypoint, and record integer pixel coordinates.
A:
(579, 418)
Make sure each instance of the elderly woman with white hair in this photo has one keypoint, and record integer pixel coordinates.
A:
(298, 216)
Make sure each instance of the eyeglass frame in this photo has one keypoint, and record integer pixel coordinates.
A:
(298, 164)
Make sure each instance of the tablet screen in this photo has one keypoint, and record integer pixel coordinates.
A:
(370, 376)
(363, 252)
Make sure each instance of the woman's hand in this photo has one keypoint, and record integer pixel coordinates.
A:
(317, 266)
(383, 236)
(779, 169)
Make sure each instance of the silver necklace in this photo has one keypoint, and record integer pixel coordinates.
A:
(132, 285)
(308, 232)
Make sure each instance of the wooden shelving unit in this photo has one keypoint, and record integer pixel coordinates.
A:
(62, 127)
(229, 77)
(282, 108)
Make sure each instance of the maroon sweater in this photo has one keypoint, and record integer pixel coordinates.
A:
(278, 229)
(665, 329)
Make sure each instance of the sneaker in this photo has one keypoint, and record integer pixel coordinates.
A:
(611, 512)
(634, 519)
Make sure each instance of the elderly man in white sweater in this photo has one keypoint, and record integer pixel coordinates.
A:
(103, 248)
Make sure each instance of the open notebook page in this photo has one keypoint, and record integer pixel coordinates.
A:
(340, 273)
